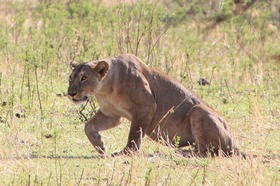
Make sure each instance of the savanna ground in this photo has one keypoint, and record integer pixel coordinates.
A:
(233, 44)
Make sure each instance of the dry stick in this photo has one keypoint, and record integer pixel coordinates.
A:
(121, 180)
(36, 180)
(22, 82)
(0, 81)
(38, 93)
(60, 172)
(167, 180)
(204, 175)
(170, 111)
(237, 105)
(181, 175)
(58, 181)
(98, 179)
(12, 102)
(229, 91)
(28, 180)
(40, 103)
(159, 37)
(55, 160)
(6, 121)
(83, 108)
(129, 174)
(49, 180)
(138, 39)
(112, 177)
(29, 96)
(128, 42)
(81, 177)
(150, 46)
(192, 181)
(147, 177)
(93, 106)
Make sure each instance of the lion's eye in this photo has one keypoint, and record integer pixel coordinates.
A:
(83, 78)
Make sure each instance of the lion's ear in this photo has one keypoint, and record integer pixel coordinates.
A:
(101, 68)
(73, 64)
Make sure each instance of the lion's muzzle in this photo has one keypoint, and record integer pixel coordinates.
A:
(72, 95)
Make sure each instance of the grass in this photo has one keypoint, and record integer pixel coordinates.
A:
(234, 46)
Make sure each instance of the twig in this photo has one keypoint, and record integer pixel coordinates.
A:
(229, 91)
(154, 45)
(129, 174)
(38, 92)
(192, 181)
(113, 171)
(49, 179)
(81, 177)
(83, 108)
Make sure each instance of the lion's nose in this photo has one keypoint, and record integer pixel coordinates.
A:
(72, 93)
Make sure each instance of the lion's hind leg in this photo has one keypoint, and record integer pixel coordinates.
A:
(210, 132)
(200, 145)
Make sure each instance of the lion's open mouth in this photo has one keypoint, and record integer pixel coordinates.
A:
(82, 99)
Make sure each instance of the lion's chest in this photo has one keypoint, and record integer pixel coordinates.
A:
(112, 106)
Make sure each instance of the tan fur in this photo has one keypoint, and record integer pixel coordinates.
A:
(157, 106)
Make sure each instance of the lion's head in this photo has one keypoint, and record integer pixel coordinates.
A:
(85, 79)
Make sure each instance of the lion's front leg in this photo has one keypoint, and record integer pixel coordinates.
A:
(136, 134)
(98, 123)
(138, 129)
(135, 137)
(139, 126)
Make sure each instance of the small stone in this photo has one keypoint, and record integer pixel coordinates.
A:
(17, 115)
(203, 82)
(48, 136)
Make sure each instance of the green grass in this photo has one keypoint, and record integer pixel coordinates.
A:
(234, 46)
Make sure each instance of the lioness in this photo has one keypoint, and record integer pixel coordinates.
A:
(157, 106)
